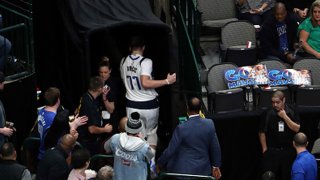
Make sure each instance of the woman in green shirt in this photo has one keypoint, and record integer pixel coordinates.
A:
(309, 31)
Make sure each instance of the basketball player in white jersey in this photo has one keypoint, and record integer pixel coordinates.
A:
(141, 95)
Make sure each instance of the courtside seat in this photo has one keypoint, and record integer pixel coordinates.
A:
(220, 98)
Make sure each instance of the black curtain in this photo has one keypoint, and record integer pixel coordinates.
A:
(72, 35)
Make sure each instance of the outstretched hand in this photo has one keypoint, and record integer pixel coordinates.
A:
(78, 121)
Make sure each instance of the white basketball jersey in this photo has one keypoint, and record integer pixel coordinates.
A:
(132, 67)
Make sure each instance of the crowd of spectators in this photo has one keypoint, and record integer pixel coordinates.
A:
(287, 31)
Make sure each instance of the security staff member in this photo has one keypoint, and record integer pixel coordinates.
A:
(278, 127)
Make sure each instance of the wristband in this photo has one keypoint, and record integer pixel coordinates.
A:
(167, 81)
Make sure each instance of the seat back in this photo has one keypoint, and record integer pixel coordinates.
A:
(273, 64)
(216, 9)
(263, 96)
(220, 98)
(238, 33)
(214, 15)
(99, 160)
(234, 38)
(310, 64)
(241, 56)
(29, 153)
(216, 80)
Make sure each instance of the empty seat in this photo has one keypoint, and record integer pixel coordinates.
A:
(215, 14)
(235, 37)
(309, 96)
(220, 98)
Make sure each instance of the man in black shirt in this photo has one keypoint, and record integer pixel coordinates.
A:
(54, 164)
(278, 36)
(278, 127)
(90, 134)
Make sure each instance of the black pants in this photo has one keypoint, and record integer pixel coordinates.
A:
(279, 161)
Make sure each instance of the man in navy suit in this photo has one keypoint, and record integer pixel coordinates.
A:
(194, 147)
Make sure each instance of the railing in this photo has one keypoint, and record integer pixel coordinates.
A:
(18, 29)
(183, 176)
(187, 24)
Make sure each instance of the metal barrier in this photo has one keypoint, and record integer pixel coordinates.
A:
(187, 24)
(183, 176)
(18, 29)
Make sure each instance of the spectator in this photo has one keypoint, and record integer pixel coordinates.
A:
(255, 11)
(53, 165)
(277, 129)
(90, 134)
(80, 161)
(5, 47)
(46, 115)
(194, 147)
(305, 166)
(278, 36)
(4, 131)
(141, 96)
(131, 152)
(309, 31)
(110, 89)
(298, 8)
(62, 125)
(9, 167)
(105, 173)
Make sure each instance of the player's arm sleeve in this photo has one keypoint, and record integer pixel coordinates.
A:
(146, 67)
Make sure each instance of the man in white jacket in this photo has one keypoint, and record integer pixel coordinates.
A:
(131, 152)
